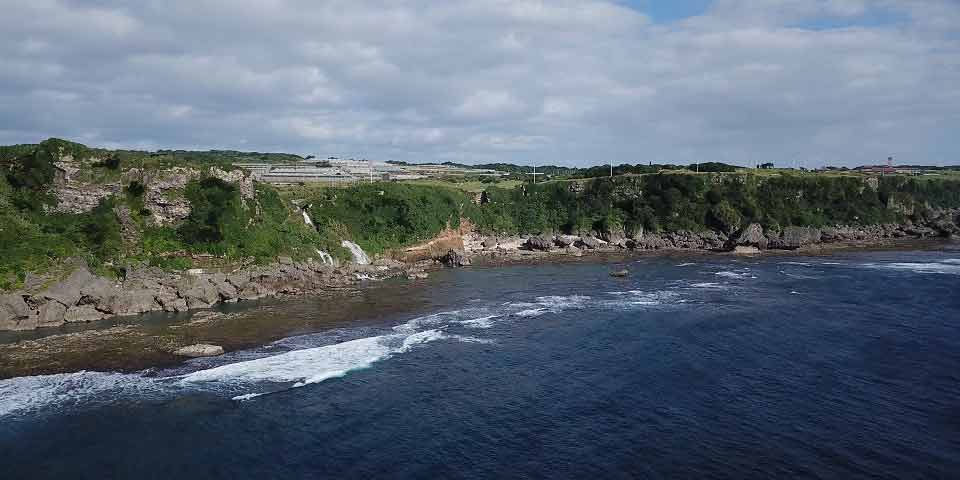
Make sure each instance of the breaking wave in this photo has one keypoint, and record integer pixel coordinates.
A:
(948, 267)
(735, 275)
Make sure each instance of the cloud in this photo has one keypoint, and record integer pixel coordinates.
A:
(573, 82)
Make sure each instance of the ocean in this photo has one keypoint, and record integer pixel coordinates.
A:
(840, 366)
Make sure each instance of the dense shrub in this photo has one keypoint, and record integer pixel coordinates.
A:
(386, 215)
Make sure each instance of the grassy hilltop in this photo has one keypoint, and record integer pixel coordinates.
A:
(115, 209)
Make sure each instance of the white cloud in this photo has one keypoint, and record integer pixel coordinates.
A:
(562, 81)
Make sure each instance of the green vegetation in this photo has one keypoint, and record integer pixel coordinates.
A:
(671, 202)
(382, 216)
(225, 227)
(34, 237)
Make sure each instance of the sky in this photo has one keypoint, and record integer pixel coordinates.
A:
(566, 82)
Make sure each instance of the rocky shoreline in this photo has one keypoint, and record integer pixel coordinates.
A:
(85, 297)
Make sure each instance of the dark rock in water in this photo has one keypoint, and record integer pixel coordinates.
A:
(620, 273)
(538, 243)
(455, 258)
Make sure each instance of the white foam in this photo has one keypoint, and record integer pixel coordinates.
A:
(801, 264)
(688, 264)
(641, 298)
(710, 285)
(531, 312)
(299, 365)
(25, 394)
(482, 322)
(918, 267)
(728, 274)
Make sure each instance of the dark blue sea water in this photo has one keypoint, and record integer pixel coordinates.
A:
(845, 366)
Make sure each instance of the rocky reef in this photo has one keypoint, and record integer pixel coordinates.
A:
(85, 297)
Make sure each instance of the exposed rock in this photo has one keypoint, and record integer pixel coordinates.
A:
(538, 243)
(455, 258)
(82, 313)
(489, 242)
(589, 242)
(796, 237)
(752, 236)
(199, 293)
(566, 240)
(15, 314)
(129, 302)
(509, 243)
(620, 273)
(199, 350)
(69, 290)
(51, 314)
(746, 250)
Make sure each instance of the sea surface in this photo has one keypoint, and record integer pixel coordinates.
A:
(842, 366)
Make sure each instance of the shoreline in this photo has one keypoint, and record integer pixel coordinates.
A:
(135, 343)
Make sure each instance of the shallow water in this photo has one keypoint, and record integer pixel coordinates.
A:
(831, 367)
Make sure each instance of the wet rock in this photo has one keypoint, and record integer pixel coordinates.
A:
(620, 273)
(199, 350)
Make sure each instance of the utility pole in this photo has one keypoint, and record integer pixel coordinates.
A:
(370, 166)
(611, 169)
(534, 174)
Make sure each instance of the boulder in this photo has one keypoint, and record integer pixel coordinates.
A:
(129, 302)
(589, 242)
(227, 291)
(752, 236)
(82, 313)
(199, 293)
(15, 314)
(455, 258)
(566, 240)
(199, 350)
(489, 242)
(51, 314)
(796, 237)
(81, 282)
(620, 273)
(538, 243)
